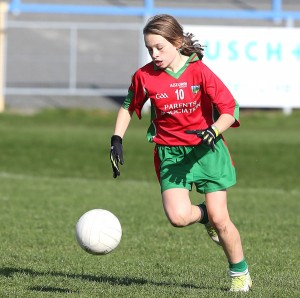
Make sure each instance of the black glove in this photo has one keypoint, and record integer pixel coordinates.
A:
(116, 154)
(207, 135)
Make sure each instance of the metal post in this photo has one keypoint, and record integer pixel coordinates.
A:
(15, 6)
(148, 11)
(73, 58)
(144, 55)
(148, 5)
(287, 110)
(3, 14)
(277, 9)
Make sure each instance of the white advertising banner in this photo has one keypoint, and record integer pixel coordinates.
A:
(260, 65)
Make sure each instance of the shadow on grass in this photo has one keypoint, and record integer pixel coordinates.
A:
(123, 281)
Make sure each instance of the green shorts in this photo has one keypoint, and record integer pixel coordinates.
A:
(183, 166)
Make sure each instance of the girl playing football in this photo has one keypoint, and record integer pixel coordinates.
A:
(190, 108)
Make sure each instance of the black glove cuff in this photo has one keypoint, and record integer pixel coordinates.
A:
(115, 139)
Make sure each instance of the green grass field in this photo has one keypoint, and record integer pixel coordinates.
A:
(54, 166)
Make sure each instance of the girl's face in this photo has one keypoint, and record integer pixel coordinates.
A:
(162, 52)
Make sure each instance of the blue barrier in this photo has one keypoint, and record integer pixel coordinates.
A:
(148, 9)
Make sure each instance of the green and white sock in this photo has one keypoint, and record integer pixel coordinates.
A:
(238, 269)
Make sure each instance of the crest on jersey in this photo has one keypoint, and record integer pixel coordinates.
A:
(195, 89)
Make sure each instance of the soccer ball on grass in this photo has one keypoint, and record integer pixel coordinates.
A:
(98, 231)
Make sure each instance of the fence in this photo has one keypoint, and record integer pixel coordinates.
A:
(71, 64)
(72, 58)
(149, 8)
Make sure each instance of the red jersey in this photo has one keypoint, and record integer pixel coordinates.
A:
(192, 98)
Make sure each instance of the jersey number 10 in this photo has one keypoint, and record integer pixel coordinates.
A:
(179, 94)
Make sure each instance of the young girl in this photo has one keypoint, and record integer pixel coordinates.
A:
(191, 108)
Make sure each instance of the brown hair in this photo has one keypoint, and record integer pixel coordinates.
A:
(168, 27)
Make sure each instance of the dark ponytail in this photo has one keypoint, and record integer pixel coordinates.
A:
(190, 46)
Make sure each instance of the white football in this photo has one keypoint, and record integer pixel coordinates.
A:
(98, 231)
